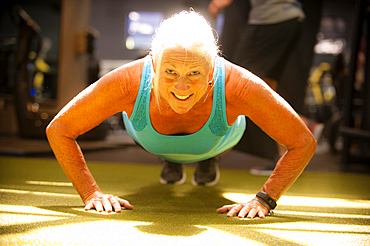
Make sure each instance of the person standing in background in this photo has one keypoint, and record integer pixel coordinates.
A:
(270, 45)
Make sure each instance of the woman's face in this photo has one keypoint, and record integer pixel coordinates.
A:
(183, 78)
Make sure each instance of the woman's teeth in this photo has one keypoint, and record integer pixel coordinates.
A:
(182, 97)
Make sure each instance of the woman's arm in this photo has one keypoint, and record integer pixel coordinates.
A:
(216, 5)
(248, 95)
(113, 93)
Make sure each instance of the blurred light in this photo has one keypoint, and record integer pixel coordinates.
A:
(38, 123)
(32, 55)
(305, 201)
(38, 80)
(140, 27)
(130, 43)
(313, 226)
(336, 215)
(134, 16)
(29, 22)
(37, 193)
(44, 115)
(330, 46)
(113, 232)
(12, 215)
(30, 210)
(42, 65)
(146, 29)
(49, 183)
(238, 197)
(317, 237)
(134, 27)
(35, 107)
(33, 92)
(220, 23)
(329, 94)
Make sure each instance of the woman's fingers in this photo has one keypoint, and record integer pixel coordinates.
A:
(261, 214)
(125, 203)
(89, 206)
(116, 205)
(231, 209)
(244, 211)
(225, 208)
(107, 203)
(250, 210)
(98, 206)
(234, 210)
(118, 202)
(252, 213)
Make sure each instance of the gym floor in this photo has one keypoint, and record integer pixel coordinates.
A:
(39, 206)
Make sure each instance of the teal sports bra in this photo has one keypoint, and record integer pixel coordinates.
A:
(215, 137)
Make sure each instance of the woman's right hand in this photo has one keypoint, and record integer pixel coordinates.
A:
(102, 202)
(216, 5)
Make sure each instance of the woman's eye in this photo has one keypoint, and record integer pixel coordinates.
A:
(170, 71)
(194, 73)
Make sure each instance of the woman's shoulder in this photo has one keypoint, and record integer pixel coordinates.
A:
(124, 81)
(127, 75)
(241, 88)
(130, 72)
(235, 73)
(237, 79)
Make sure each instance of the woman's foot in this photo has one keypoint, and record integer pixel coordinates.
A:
(207, 173)
(172, 173)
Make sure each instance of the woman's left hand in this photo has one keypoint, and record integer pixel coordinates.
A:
(249, 209)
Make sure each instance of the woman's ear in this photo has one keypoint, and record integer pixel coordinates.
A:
(152, 58)
(211, 71)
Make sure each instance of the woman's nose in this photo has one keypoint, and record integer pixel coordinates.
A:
(182, 84)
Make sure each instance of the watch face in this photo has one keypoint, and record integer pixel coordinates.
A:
(271, 202)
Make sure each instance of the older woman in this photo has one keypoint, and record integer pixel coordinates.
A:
(185, 104)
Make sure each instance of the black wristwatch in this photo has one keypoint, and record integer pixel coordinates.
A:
(266, 198)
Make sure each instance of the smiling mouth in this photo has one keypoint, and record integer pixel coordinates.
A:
(181, 97)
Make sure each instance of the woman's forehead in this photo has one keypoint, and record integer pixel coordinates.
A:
(182, 55)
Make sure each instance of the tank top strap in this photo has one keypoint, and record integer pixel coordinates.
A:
(139, 117)
(218, 125)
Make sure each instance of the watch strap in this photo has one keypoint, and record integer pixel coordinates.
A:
(266, 198)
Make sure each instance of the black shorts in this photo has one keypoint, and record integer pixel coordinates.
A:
(264, 49)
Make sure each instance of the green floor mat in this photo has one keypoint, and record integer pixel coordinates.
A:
(38, 206)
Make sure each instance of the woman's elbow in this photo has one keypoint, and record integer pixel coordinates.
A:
(309, 143)
(54, 130)
(51, 130)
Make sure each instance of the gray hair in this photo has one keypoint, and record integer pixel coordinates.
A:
(186, 29)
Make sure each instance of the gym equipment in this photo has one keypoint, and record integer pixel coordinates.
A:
(356, 140)
(32, 121)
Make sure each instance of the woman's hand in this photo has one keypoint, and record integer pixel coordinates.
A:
(216, 5)
(102, 202)
(251, 208)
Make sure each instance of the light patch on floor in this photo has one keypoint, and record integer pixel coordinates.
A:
(316, 233)
(29, 210)
(42, 193)
(320, 238)
(49, 183)
(305, 201)
(331, 215)
(15, 215)
(123, 233)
